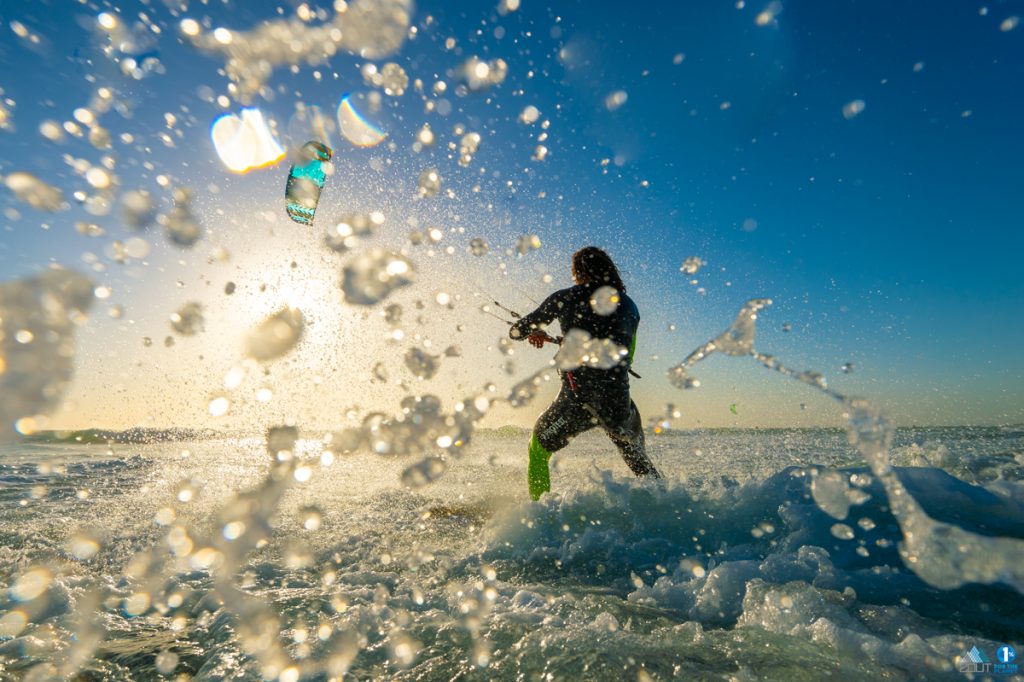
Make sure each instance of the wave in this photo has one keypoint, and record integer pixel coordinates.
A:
(766, 555)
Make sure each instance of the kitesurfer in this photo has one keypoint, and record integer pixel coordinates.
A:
(589, 396)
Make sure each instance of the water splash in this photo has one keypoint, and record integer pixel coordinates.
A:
(422, 426)
(38, 317)
(369, 28)
(524, 392)
(942, 554)
(738, 339)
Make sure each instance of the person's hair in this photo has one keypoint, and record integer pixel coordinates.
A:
(591, 265)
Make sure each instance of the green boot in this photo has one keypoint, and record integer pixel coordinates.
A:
(537, 475)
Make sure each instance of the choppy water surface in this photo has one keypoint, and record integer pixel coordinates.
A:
(727, 570)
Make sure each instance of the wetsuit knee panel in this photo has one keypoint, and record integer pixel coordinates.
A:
(552, 436)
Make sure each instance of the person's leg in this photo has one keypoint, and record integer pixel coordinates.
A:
(622, 422)
(628, 437)
(561, 422)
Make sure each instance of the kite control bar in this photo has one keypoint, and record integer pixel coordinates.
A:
(537, 332)
(548, 338)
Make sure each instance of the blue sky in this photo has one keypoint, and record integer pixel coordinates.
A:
(890, 239)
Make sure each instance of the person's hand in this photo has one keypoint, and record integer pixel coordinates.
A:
(537, 339)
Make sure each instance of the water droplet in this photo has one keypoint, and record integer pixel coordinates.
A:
(769, 15)
(479, 74)
(478, 246)
(136, 604)
(311, 518)
(360, 119)
(852, 109)
(578, 348)
(529, 115)
(31, 584)
(421, 363)
(137, 209)
(429, 182)
(181, 225)
(245, 142)
(423, 472)
(605, 300)
(527, 243)
(615, 100)
(34, 192)
(276, 335)
(345, 233)
(468, 146)
(372, 276)
(233, 530)
(166, 662)
(393, 79)
(692, 265)
(218, 406)
(188, 320)
(402, 649)
(83, 546)
(842, 531)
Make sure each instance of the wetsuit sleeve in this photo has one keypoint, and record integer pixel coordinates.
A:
(541, 317)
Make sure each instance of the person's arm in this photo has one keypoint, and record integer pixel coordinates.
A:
(541, 317)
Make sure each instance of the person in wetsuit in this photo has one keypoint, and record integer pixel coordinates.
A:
(589, 396)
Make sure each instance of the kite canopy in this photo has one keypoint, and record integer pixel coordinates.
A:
(305, 180)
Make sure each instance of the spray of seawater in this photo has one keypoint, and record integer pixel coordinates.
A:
(942, 554)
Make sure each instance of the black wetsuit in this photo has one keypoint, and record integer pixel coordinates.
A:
(589, 396)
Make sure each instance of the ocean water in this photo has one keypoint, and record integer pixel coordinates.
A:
(219, 560)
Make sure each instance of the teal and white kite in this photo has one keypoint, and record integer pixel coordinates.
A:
(305, 180)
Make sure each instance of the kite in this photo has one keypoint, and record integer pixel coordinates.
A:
(305, 180)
